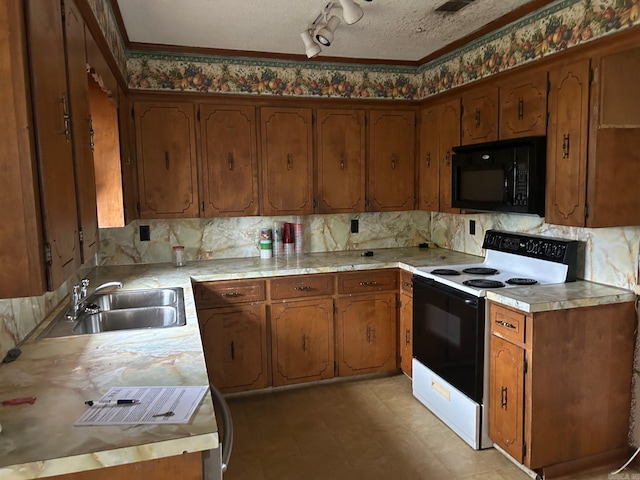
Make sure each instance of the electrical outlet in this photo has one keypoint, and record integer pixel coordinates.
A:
(472, 227)
(145, 233)
(355, 227)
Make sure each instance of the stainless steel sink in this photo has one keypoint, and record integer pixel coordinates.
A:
(123, 310)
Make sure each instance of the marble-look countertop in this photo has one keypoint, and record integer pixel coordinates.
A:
(40, 440)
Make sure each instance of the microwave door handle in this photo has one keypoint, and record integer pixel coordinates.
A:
(509, 184)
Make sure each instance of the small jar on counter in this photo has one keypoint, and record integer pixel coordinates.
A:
(178, 256)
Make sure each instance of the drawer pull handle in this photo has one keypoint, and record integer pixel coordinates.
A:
(232, 294)
(503, 398)
(428, 160)
(289, 161)
(369, 334)
(303, 288)
(477, 117)
(304, 342)
(342, 161)
(230, 160)
(407, 284)
(407, 336)
(368, 284)
(447, 158)
(505, 324)
(233, 351)
(393, 161)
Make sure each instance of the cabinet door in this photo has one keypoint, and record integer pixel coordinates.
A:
(506, 397)
(234, 340)
(480, 116)
(406, 332)
(613, 195)
(53, 142)
(127, 134)
(449, 138)
(367, 333)
(167, 171)
(428, 171)
(523, 105)
(81, 129)
(287, 160)
(302, 341)
(391, 161)
(341, 161)
(567, 144)
(229, 160)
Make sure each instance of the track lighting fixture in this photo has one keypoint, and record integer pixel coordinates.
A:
(351, 11)
(325, 24)
(325, 34)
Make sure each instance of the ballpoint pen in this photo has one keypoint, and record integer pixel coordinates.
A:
(92, 403)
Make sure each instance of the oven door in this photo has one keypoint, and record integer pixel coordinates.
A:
(448, 334)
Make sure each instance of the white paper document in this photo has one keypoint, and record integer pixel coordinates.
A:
(158, 405)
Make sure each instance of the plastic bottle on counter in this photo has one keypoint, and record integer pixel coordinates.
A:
(266, 250)
(298, 236)
(278, 232)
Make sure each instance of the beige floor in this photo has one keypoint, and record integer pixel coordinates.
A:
(357, 430)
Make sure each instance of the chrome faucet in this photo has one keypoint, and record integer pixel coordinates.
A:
(80, 299)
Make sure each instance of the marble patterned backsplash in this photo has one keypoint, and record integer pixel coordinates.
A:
(217, 238)
(609, 255)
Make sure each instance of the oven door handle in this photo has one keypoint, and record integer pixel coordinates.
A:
(470, 301)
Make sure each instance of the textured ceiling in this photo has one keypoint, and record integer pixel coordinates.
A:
(403, 30)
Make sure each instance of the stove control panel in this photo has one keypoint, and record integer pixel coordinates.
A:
(536, 246)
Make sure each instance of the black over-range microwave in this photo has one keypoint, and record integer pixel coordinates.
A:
(502, 176)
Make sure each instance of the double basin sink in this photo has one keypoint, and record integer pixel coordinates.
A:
(122, 310)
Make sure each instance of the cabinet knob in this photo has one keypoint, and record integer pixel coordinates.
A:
(369, 339)
(342, 161)
(477, 117)
(167, 162)
(66, 117)
(393, 161)
(304, 342)
(92, 142)
(408, 285)
(407, 337)
(289, 161)
(447, 158)
(230, 160)
(428, 159)
(233, 351)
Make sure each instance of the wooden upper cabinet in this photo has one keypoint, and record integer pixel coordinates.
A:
(127, 136)
(341, 137)
(480, 115)
(391, 161)
(449, 134)
(613, 196)
(51, 113)
(287, 160)
(567, 144)
(167, 170)
(81, 128)
(428, 164)
(523, 105)
(229, 160)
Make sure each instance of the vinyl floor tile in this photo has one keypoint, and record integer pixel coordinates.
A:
(359, 429)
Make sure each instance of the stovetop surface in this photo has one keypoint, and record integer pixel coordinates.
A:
(508, 266)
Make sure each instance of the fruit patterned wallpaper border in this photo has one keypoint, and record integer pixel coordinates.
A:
(556, 27)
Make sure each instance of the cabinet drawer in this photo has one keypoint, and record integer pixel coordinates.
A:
(506, 323)
(223, 293)
(301, 286)
(368, 281)
(406, 284)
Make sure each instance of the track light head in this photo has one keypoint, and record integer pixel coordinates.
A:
(325, 34)
(311, 48)
(351, 11)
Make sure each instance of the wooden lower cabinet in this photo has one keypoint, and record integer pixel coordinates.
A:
(302, 341)
(560, 385)
(405, 334)
(234, 339)
(187, 466)
(366, 333)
